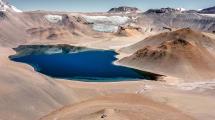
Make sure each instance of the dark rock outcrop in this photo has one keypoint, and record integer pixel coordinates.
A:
(191, 11)
(163, 10)
(2, 15)
(123, 9)
(123, 30)
(210, 10)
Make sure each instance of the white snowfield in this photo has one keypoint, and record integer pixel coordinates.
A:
(105, 28)
(15, 9)
(115, 20)
(106, 23)
(209, 15)
(53, 18)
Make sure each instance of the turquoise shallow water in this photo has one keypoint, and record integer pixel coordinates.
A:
(90, 66)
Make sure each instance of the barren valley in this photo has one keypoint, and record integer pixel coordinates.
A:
(175, 47)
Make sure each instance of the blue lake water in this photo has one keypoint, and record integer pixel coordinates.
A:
(90, 66)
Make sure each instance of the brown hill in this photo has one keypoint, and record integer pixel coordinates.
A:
(183, 54)
(118, 107)
(22, 28)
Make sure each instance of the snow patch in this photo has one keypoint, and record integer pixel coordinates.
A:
(106, 23)
(181, 9)
(105, 28)
(15, 9)
(54, 18)
(115, 20)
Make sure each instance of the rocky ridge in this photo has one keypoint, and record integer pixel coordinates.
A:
(124, 9)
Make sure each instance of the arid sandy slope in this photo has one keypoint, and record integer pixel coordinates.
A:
(184, 56)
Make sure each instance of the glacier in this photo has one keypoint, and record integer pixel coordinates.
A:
(54, 18)
(106, 23)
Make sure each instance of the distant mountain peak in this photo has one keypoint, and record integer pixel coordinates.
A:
(210, 10)
(4, 6)
(124, 9)
(165, 10)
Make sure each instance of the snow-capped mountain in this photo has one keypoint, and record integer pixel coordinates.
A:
(5, 6)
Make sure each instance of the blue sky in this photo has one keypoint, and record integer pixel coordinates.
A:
(104, 5)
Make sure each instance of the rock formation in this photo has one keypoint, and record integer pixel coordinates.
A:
(124, 9)
(128, 30)
(210, 10)
(162, 10)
